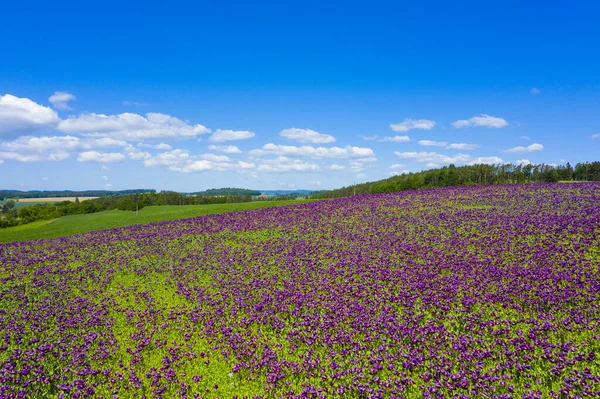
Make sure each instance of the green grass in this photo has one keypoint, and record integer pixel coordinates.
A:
(76, 224)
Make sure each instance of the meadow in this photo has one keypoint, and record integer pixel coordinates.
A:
(76, 224)
(466, 292)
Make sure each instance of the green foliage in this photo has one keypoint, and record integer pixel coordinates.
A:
(228, 191)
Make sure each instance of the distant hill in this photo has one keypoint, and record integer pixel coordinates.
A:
(286, 192)
(214, 192)
(67, 193)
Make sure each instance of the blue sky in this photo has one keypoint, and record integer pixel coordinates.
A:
(298, 94)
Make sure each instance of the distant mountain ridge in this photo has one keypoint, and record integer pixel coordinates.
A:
(68, 193)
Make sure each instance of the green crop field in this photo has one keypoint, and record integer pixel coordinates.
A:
(75, 224)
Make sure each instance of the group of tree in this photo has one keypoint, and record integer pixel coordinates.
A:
(218, 192)
(129, 202)
(17, 194)
(472, 175)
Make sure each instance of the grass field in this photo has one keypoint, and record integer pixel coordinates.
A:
(75, 224)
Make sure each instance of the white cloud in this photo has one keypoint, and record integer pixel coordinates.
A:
(524, 137)
(486, 161)
(52, 148)
(358, 165)
(95, 156)
(129, 126)
(137, 155)
(463, 146)
(398, 166)
(60, 100)
(523, 162)
(284, 164)
(431, 143)
(409, 124)
(228, 149)
(432, 157)
(21, 115)
(399, 172)
(369, 138)
(396, 139)
(482, 120)
(361, 176)
(182, 161)
(595, 136)
(314, 152)
(134, 103)
(105, 178)
(535, 91)
(306, 136)
(529, 148)
(161, 146)
(229, 135)
(315, 182)
(336, 167)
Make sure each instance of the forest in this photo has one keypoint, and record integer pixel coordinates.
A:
(472, 175)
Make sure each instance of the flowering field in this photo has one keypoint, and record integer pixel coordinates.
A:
(463, 292)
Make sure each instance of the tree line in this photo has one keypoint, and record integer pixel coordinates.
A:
(17, 194)
(472, 175)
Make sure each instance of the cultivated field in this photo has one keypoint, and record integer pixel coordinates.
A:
(75, 224)
(55, 199)
(469, 292)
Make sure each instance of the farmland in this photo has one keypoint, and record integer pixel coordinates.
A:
(460, 292)
(76, 224)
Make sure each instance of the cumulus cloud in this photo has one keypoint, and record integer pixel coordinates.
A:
(306, 136)
(182, 161)
(161, 146)
(410, 124)
(314, 152)
(60, 100)
(523, 162)
(21, 115)
(228, 149)
(51, 148)
(529, 148)
(535, 91)
(431, 143)
(336, 167)
(398, 166)
(396, 139)
(482, 120)
(463, 146)
(486, 161)
(129, 126)
(433, 157)
(230, 135)
(284, 164)
(100, 157)
(358, 165)
(595, 136)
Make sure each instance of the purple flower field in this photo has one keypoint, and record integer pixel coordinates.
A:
(468, 292)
